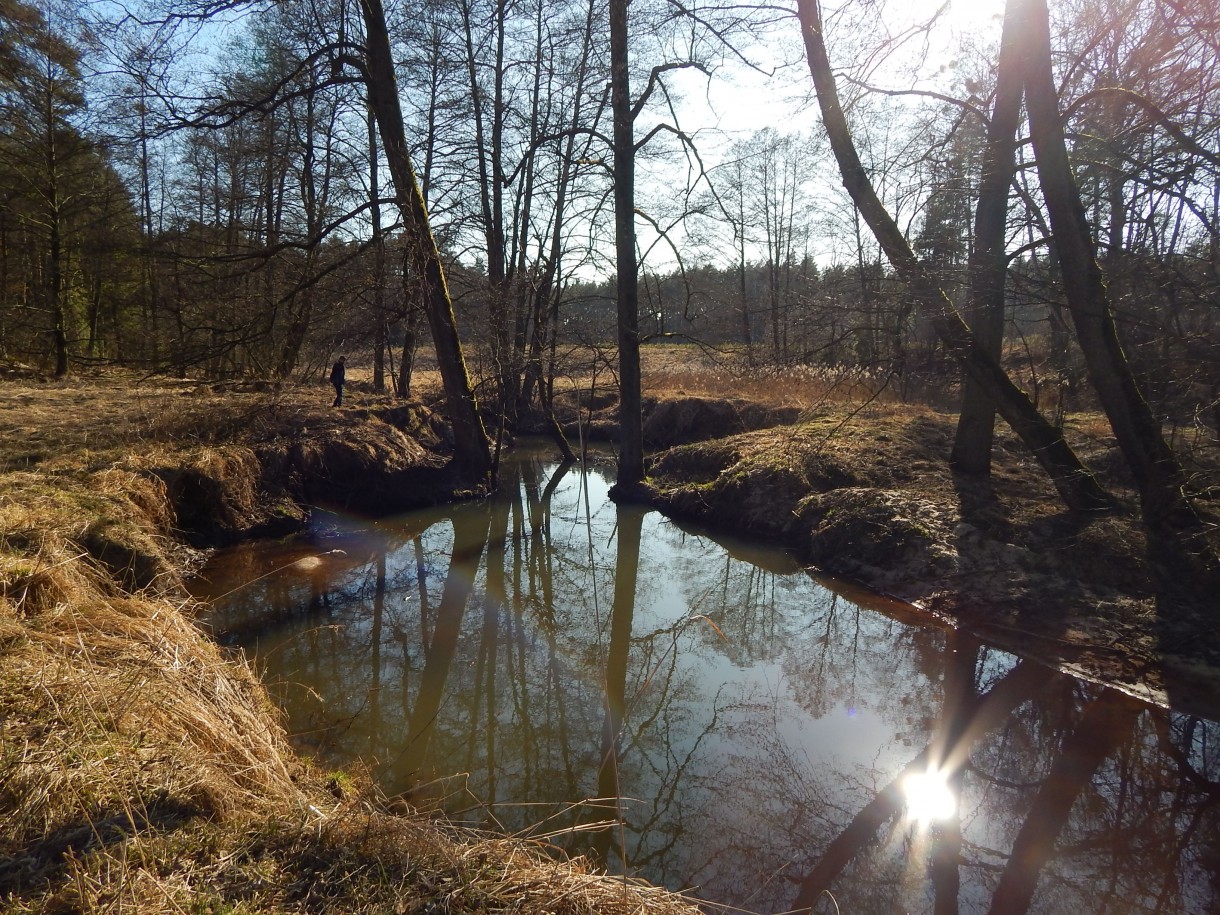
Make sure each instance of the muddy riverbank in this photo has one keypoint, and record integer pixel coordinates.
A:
(868, 496)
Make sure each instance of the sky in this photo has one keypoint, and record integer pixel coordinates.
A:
(737, 102)
(741, 101)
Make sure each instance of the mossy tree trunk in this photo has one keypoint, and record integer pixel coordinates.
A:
(470, 439)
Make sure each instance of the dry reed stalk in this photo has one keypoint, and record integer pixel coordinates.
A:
(135, 709)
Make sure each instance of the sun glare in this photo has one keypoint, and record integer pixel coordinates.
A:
(975, 13)
(928, 797)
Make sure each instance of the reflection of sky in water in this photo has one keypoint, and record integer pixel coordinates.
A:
(764, 712)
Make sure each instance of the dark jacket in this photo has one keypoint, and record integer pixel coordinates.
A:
(338, 374)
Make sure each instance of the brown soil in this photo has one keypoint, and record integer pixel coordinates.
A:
(868, 495)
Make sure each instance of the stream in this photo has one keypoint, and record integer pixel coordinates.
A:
(705, 714)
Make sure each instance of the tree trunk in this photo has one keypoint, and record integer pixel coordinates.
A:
(1158, 475)
(410, 341)
(379, 341)
(988, 261)
(546, 293)
(489, 157)
(55, 289)
(313, 200)
(1076, 485)
(55, 267)
(472, 453)
(631, 445)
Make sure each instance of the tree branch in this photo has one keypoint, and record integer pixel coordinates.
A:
(655, 77)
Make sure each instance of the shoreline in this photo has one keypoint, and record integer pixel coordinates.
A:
(97, 537)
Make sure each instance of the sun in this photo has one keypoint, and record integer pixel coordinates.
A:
(929, 798)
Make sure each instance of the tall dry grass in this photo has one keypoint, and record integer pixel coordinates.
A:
(729, 374)
(143, 770)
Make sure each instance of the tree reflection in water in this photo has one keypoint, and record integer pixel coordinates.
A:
(490, 655)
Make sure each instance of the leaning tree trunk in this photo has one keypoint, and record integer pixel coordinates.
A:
(470, 439)
(1155, 468)
(1076, 485)
(988, 259)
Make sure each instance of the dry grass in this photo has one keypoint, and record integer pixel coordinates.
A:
(143, 770)
(120, 717)
(90, 420)
(670, 369)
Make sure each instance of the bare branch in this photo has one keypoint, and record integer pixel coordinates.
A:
(654, 79)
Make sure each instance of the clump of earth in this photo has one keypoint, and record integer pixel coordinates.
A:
(867, 495)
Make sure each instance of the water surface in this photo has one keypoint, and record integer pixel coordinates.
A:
(706, 715)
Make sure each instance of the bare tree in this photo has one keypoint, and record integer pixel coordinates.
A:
(1157, 472)
(631, 423)
(473, 453)
(989, 257)
(1076, 485)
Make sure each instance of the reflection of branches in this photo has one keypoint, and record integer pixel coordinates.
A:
(421, 578)
(1207, 806)
(487, 673)
(984, 714)
(1105, 722)
(665, 808)
(1185, 769)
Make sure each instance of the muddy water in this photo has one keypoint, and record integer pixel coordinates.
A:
(703, 714)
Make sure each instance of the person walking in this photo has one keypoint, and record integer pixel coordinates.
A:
(338, 375)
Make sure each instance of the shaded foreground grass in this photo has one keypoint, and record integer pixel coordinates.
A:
(143, 770)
